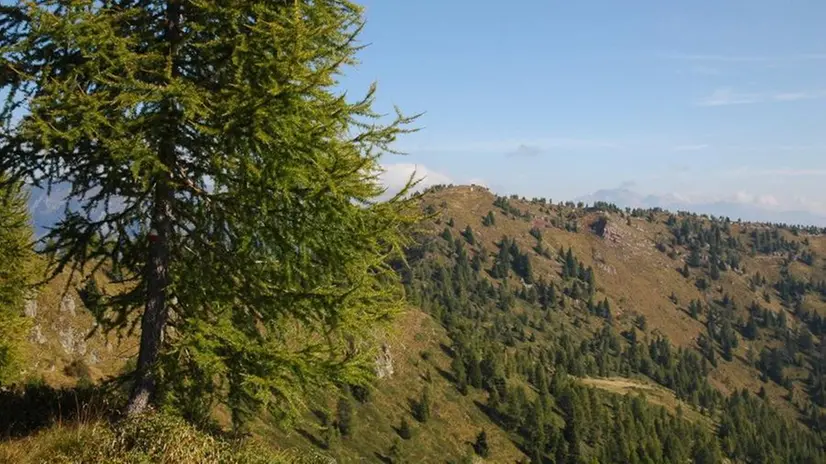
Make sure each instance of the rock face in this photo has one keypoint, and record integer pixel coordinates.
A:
(73, 341)
(384, 363)
(613, 234)
(67, 305)
(30, 309)
(37, 336)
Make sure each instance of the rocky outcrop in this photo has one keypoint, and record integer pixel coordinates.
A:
(384, 363)
(72, 340)
(607, 268)
(67, 305)
(30, 310)
(36, 335)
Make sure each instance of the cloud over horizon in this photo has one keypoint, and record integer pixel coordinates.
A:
(778, 172)
(725, 96)
(724, 58)
(741, 204)
(394, 176)
(694, 147)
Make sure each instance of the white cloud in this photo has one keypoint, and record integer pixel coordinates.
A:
(778, 172)
(763, 201)
(705, 71)
(768, 200)
(715, 57)
(722, 58)
(793, 172)
(695, 147)
(743, 197)
(726, 96)
(818, 205)
(394, 176)
(499, 146)
(794, 96)
(477, 181)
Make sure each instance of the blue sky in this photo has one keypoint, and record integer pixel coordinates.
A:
(706, 100)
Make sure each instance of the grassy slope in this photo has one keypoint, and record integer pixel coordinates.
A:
(60, 337)
(455, 418)
(653, 393)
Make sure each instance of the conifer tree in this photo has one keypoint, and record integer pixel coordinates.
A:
(480, 446)
(503, 262)
(15, 275)
(694, 257)
(404, 429)
(476, 262)
(714, 271)
(471, 239)
(460, 373)
(489, 219)
(475, 377)
(212, 163)
(448, 236)
(421, 407)
(394, 454)
(344, 416)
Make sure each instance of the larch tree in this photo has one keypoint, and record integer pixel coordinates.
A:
(16, 272)
(214, 164)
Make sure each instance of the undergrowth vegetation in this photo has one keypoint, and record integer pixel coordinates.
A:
(149, 438)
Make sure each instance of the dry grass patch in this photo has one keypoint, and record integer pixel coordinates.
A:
(653, 393)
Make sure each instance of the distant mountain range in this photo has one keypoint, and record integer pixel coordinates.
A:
(624, 197)
(47, 208)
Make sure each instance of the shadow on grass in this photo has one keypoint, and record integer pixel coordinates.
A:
(686, 312)
(383, 458)
(446, 375)
(492, 414)
(28, 408)
(412, 404)
(400, 434)
(311, 438)
(497, 419)
(322, 416)
(447, 350)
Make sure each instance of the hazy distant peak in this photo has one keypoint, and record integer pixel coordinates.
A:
(625, 197)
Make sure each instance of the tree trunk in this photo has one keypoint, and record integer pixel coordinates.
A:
(155, 311)
(156, 273)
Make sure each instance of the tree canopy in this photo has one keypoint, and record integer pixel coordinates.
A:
(15, 274)
(215, 166)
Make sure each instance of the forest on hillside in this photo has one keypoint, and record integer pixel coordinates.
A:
(525, 339)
